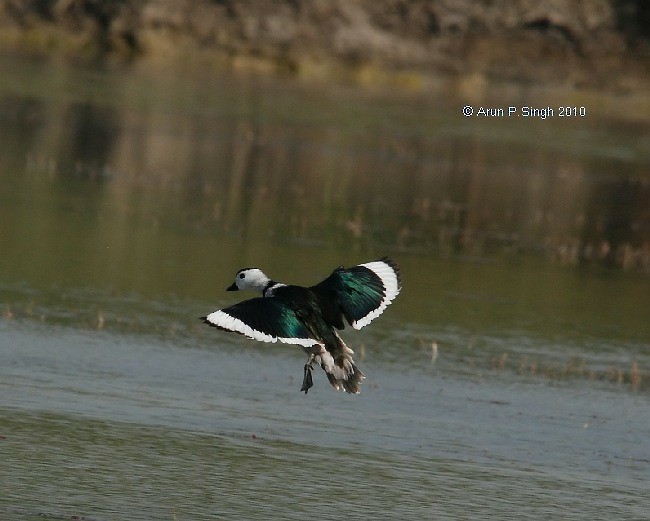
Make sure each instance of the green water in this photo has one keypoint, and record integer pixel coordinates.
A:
(128, 200)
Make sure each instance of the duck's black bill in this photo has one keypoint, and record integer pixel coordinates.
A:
(232, 287)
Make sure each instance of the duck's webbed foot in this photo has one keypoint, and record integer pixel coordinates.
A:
(307, 382)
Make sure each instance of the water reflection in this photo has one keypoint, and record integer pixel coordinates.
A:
(126, 201)
(234, 169)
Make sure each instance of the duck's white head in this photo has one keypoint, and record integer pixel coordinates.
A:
(249, 278)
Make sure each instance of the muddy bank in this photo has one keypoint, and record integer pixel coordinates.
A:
(595, 43)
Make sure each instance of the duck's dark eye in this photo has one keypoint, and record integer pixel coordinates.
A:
(241, 275)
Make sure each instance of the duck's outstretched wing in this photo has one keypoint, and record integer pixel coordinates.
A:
(360, 293)
(265, 319)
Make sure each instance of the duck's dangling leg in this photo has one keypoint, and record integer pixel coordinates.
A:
(307, 382)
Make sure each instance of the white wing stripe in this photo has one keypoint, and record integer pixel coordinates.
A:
(222, 319)
(391, 289)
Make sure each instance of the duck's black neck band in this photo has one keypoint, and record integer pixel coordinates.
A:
(268, 286)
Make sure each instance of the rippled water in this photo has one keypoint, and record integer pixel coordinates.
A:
(108, 426)
(128, 201)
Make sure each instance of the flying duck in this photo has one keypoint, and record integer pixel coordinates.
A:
(310, 317)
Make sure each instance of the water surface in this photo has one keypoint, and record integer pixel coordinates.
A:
(128, 200)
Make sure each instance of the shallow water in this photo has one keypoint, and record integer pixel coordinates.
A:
(108, 426)
(129, 199)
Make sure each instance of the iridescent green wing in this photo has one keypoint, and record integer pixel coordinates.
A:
(360, 293)
(265, 319)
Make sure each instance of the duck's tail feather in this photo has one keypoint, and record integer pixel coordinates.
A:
(341, 371)
(350, 383)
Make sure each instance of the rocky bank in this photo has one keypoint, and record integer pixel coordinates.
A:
(595, 43)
